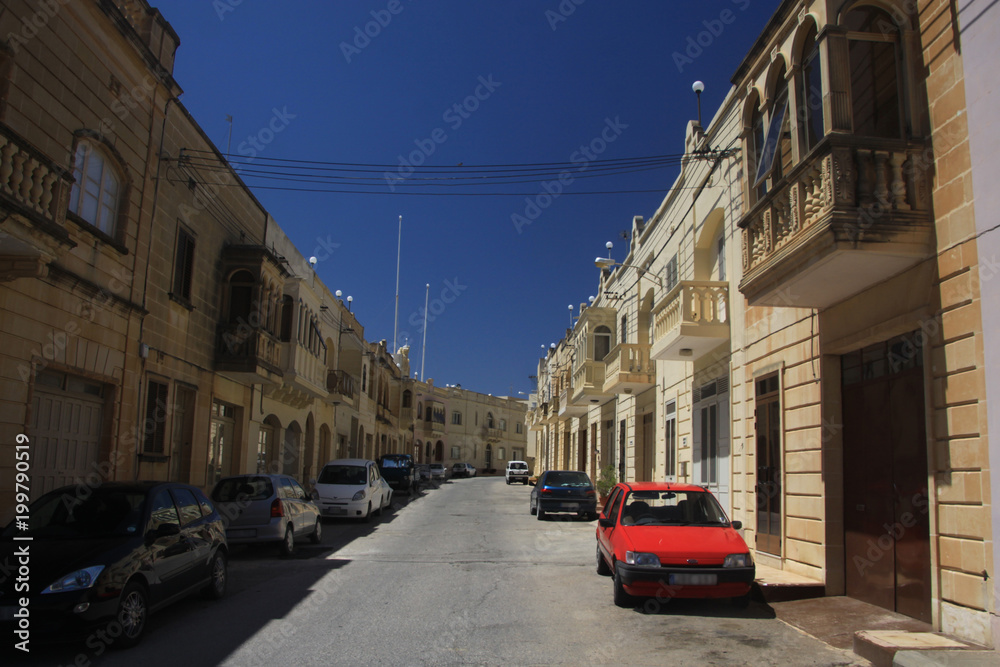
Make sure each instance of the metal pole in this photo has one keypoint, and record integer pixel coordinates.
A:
(399, 250)
(423, 346)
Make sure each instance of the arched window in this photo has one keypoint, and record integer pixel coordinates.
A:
(287, 314)
(241, 286)
(602, 342)
(874, 40)
(755, 152)
(774, 152)
(364, 379)
(624, 337)
(407, 399)
(810, 95)
(96, 192)
(489, 420)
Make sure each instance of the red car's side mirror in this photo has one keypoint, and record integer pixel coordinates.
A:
(606, 522)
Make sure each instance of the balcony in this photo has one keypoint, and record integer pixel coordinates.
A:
(340, 387)
(546, 415)
(691, 320)
(248, 355)
(629, 369)
(490, 434)
(851, 215)
(588, 384)
(567, 408)
(303, 376)
(385, 415)
(430, 428)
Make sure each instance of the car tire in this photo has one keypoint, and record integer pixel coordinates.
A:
(602, 565)
(540, 513)
(133, 611)
(287, 546)
(368, 515)
(317, 536)
(622, 599)
(532, 510)
(508, 482)
(216, 587)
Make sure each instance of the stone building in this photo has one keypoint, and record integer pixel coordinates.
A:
(801, 321)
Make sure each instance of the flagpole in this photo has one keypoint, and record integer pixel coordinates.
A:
(423, 346)
(399, 250)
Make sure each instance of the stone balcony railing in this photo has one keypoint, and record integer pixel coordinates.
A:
(588, 382)
(802, 241)
(629, 368)
(34, 183)
(691, 319)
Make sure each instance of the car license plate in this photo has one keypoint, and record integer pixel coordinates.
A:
(334, 510)
(241, 533)
(572, 507)
(694, 579)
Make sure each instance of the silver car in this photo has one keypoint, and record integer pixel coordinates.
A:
(267, 508)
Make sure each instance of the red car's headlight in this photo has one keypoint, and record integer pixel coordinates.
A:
(641, 559)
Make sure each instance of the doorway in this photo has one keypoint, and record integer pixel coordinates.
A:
(886, 522)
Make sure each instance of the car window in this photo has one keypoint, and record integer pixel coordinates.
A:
(248, 487)
(104, 513)
(352, 475)
(297, 490)
(662, 508)
(567, 479)
(206, 505)
(190, 512)
(162, 510)
(614, 503)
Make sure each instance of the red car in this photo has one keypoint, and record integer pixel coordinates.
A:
(667, 540)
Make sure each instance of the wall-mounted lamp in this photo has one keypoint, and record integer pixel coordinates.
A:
(698, 87)
(607, 263)
(350, 299)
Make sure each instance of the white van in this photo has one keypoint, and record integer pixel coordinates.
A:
(517, 471)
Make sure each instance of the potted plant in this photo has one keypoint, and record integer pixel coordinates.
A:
(606, 482)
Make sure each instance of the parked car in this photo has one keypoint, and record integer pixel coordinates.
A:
(267, 508)
(122, 550)
(671, 540)
(400, 471)
(517, 471)
(463, 470)
(438, 471)
(424, 472)
(352, 488)
(563, 491)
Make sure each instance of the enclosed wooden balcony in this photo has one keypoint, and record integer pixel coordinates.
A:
(854, 213)
(691, 320)
(248, 355)
(588, 384)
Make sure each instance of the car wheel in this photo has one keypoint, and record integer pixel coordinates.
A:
(216, 588)
(133, 609)
(525, 482)
(602, 565)
(622, 599)
(531, 509)
(741, 602)
(540, 513)
(317, 536)
(287, 546)
(508, 482)
(368, 515)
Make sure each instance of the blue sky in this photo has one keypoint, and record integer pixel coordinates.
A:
(453, 85)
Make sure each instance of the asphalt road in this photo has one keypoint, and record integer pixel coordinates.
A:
(459, 575)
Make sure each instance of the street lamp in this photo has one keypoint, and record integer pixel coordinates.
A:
(607, 263)
(698, 87)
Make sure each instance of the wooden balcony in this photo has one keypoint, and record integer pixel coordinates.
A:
(854, 213)
(339, 387)
(588, 384)
(629, 369)
(691, 320)
(248, 355)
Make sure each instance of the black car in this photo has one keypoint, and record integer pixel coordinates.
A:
(564, 491)
(101, 559)
(400, 471)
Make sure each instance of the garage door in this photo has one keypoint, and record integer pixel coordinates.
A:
(67, 424)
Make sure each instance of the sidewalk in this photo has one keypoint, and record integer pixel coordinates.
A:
(882, 637)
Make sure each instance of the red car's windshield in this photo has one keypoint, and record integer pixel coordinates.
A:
(672, 508)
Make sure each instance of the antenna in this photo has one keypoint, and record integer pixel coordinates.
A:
(399, 250)
(423, 346)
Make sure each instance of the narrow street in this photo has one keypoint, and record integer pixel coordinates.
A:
(460, 575)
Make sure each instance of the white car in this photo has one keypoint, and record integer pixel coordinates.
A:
(517, 471)
(352, 488)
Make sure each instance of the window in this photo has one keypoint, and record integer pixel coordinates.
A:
(875, 58)
(489, 420)
(364, 379)
(624, 329)
(772, 147)
(670, 430)
(503, 424)
(407, 399)
(517, 426)
(162, 511)
(456, 417)
(670, 277)
(96, 190)
(183, 265)
(501, 453)
(811, 95)
(602, 343)
(455, 452)
(241, 286)
(155, 426)
(429, 414)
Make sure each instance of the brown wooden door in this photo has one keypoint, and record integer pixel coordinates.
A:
(886, 527)
(768, 452)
